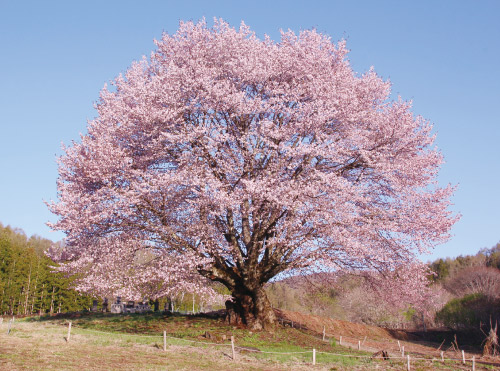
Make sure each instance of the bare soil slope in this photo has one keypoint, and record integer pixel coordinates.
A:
(373, 338)
(341, 328)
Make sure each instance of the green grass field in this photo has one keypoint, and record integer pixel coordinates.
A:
(135, 341)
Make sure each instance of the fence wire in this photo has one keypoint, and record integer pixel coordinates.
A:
(247, 349)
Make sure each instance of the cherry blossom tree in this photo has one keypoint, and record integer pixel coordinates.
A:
(242, 159)
(117, 266)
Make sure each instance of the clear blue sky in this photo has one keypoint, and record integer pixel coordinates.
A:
(443, 55)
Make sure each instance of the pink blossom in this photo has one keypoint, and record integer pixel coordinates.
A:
(241, 159)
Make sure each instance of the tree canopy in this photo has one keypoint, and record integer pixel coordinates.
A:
(240, 159)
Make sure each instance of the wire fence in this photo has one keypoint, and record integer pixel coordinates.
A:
(396, 345)
(405, 358)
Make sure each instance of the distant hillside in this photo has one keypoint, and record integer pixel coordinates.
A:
(346, 297)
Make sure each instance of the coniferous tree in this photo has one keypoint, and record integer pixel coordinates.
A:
(28, 283)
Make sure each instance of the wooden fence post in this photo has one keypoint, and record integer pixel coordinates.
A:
(473, 363)
(314, 357)
(399, 346)
(340, 341)
(402, 351)
(69, 332)
(232, 347)
(463, 357)
(408, 365)
(10, 325)
(359, 344)
(324, 330)
(442, 356)
(164, 341)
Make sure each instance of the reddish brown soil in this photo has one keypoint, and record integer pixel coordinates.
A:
(375, 338)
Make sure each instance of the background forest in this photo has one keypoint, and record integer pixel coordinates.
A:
(465, 290)
(27, 283)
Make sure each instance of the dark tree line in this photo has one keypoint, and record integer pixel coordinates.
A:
(27, 283)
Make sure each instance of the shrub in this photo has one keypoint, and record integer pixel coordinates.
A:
(469, 311)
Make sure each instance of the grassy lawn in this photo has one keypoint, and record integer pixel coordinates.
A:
(135, 341)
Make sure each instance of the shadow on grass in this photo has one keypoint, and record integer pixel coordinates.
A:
(136, 323)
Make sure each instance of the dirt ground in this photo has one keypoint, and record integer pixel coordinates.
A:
(374, 338)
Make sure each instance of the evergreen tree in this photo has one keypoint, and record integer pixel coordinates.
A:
(28, 284)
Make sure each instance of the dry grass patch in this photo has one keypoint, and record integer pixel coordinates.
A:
(123, 342)
(35, 346)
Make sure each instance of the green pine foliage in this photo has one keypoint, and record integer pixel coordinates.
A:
(28, 284)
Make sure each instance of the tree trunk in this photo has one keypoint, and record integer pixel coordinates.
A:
(27, 292)
(52, 301)
(33, 295)
(41, 300)
(251, 308)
